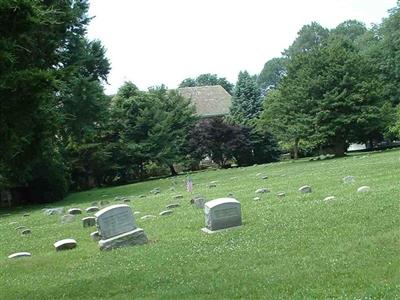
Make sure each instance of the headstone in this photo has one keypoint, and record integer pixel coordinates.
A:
(363, 189)
(173, 205)
(142, 196)
(222, 213)
(146, 217)
(256, 198)
(349, 179)
(20, 228)
(20, 255)
(264, 177)
(13, 223)
(258, 174)
(166, 212)
(117, 227)
(212, 185)
(178, 197)
(26, 231)
(262, 191)
(26, 215)
(330, 198)
(95, 236)
(92, 209)
(281, 194)
(89, 221)
(126, 200)
(65, 244)
(74, 211)
(53, 211)
(199, 202)
(67, 219)
(305, 189)
(136, 212)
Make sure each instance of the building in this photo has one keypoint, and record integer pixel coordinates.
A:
(209, 101)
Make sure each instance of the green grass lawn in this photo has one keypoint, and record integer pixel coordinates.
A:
(296, 247)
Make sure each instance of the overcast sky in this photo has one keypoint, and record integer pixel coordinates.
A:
(151, 42)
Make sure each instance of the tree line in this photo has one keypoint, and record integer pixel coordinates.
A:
(60, 132)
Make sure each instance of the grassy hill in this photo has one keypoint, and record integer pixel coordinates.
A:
(297, 247)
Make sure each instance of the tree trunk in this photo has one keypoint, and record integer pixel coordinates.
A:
(339, 148)
(173, 171)
(296, 148)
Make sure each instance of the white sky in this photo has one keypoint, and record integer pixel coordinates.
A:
(151, 42)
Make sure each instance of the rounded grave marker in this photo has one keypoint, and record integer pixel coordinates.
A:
(262, 191)
(92, 209)
(173, 205)
(363, 189)
(65, 244)
(89, 221)
(20, 255)
(166, 212)
(74, 211)
(67, 219)
(305, 189)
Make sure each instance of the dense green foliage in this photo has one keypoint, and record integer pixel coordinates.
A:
(147, 127)
(338, 87)
(297, 247)
(208, 79)
(225, 143)
(246, 99)
(59, 131)
(45, 64)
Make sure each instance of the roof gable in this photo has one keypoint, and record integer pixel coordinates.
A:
(209, 100)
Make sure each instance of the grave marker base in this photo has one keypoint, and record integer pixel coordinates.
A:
(130, 238)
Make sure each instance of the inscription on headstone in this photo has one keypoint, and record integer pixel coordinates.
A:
(114, 220)
(117, 228)
(222, 213)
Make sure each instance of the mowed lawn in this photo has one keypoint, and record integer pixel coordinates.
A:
(296, 247)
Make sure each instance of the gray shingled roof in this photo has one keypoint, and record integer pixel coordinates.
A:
(208, 100)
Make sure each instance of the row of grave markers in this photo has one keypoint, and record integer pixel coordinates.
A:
(116, 226)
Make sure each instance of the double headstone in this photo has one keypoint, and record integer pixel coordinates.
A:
(117, 228)
(222, 213)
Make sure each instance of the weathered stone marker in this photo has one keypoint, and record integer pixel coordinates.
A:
(117, 228)
(364, 189)
(349, 179)
(166, 212)
(20, 255)
(92, 209)
(53, 211)
(172, 205)
(74, 211)
(95, 236)
(65, 244)
(222, 213)
(65, 219)
(89, 221)
(305, 189)
(262, 191)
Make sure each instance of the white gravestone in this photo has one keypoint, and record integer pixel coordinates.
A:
(222, 213)
(117, 227)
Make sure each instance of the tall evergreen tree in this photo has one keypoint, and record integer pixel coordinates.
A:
(246, 100)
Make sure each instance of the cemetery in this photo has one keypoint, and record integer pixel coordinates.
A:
(144, 155)
(312, 234)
